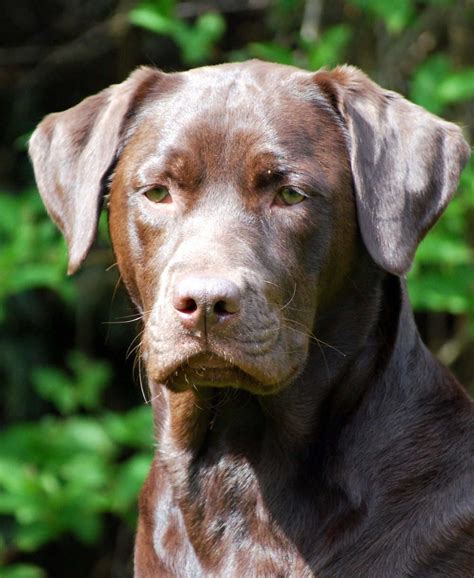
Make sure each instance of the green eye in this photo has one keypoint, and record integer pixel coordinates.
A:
(290, 196)
(157, 195)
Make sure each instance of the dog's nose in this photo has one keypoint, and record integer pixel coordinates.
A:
(203, 301)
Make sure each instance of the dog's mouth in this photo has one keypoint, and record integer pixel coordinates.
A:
(210, 370)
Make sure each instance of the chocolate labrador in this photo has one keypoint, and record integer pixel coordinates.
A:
(263, 219)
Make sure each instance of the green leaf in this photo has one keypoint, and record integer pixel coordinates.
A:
(88, 435)
(425, 83)
(271, 51)
(87, 528)
(92, 377)
(21, 142)
(12, 471)
(149, 18)
(33, 252)
(22, 571)
(440, 247)
(53, 385)
(330, 48)
(31, 537)
(196, 41)
(129, 481)
(211, 25)
(448, 290)
(86, 472)
(458, 86)
(435, 84)
(395, 15)
(133, 429)
(68, 392)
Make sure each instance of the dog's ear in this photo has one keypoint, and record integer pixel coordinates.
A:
(405, 162)
(72, 152)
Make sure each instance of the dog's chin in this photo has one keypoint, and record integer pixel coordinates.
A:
(206, 370)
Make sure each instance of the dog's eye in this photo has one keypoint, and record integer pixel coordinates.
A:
(289, 196)
(158, 195)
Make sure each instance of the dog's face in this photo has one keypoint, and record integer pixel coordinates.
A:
(232, 205)
(224, 208)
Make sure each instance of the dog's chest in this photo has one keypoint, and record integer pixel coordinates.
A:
(209, 530)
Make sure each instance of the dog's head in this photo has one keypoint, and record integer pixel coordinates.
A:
(237, 194)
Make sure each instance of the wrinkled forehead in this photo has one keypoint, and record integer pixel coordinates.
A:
(230, 115)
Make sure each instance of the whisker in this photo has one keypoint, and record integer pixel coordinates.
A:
(313, 337)
(142, 389)
(306, 310)
(114, 292)
(132, 348)
(112, 302)
(157, 396)
(291, 299)
(135, 315)
(140, 317)
(138, 363)
(318, 342)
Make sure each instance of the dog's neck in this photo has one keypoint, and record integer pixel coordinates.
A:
(351, 345)
(241, 453)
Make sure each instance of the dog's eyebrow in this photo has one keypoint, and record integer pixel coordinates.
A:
(265, 167)
(173, 165)
(269, 170)
(149, 171)
(267, 178)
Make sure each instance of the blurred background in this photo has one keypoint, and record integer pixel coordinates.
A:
(76, 432)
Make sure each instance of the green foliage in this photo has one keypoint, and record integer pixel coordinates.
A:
(395, 15)
(436, 84)
(196, 41)
(269, 51)
(327, 51)
(330, 48)
(63, 474)
(68, 394)
(23, 571)
(442, 278)
(33, 253)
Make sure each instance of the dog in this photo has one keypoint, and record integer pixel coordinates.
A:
(263, 219)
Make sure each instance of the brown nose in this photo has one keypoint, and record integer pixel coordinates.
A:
(202, 302)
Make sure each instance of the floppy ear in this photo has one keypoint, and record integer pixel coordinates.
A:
(405, 162)
(72, 152)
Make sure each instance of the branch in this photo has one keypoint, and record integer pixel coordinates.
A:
(311, 20)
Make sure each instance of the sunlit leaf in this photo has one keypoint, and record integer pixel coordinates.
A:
(22, 571)
(425, 83)
(195, 40)
(329, 49)
(458, 86)
(272, 52)
(129, 481)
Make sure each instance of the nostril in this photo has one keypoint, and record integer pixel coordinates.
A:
(220, 308)
(226, 307)
(201, 301)
(187, 306)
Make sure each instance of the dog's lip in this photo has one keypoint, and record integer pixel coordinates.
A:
(217, 368)
(208, 361)
(211, 369)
